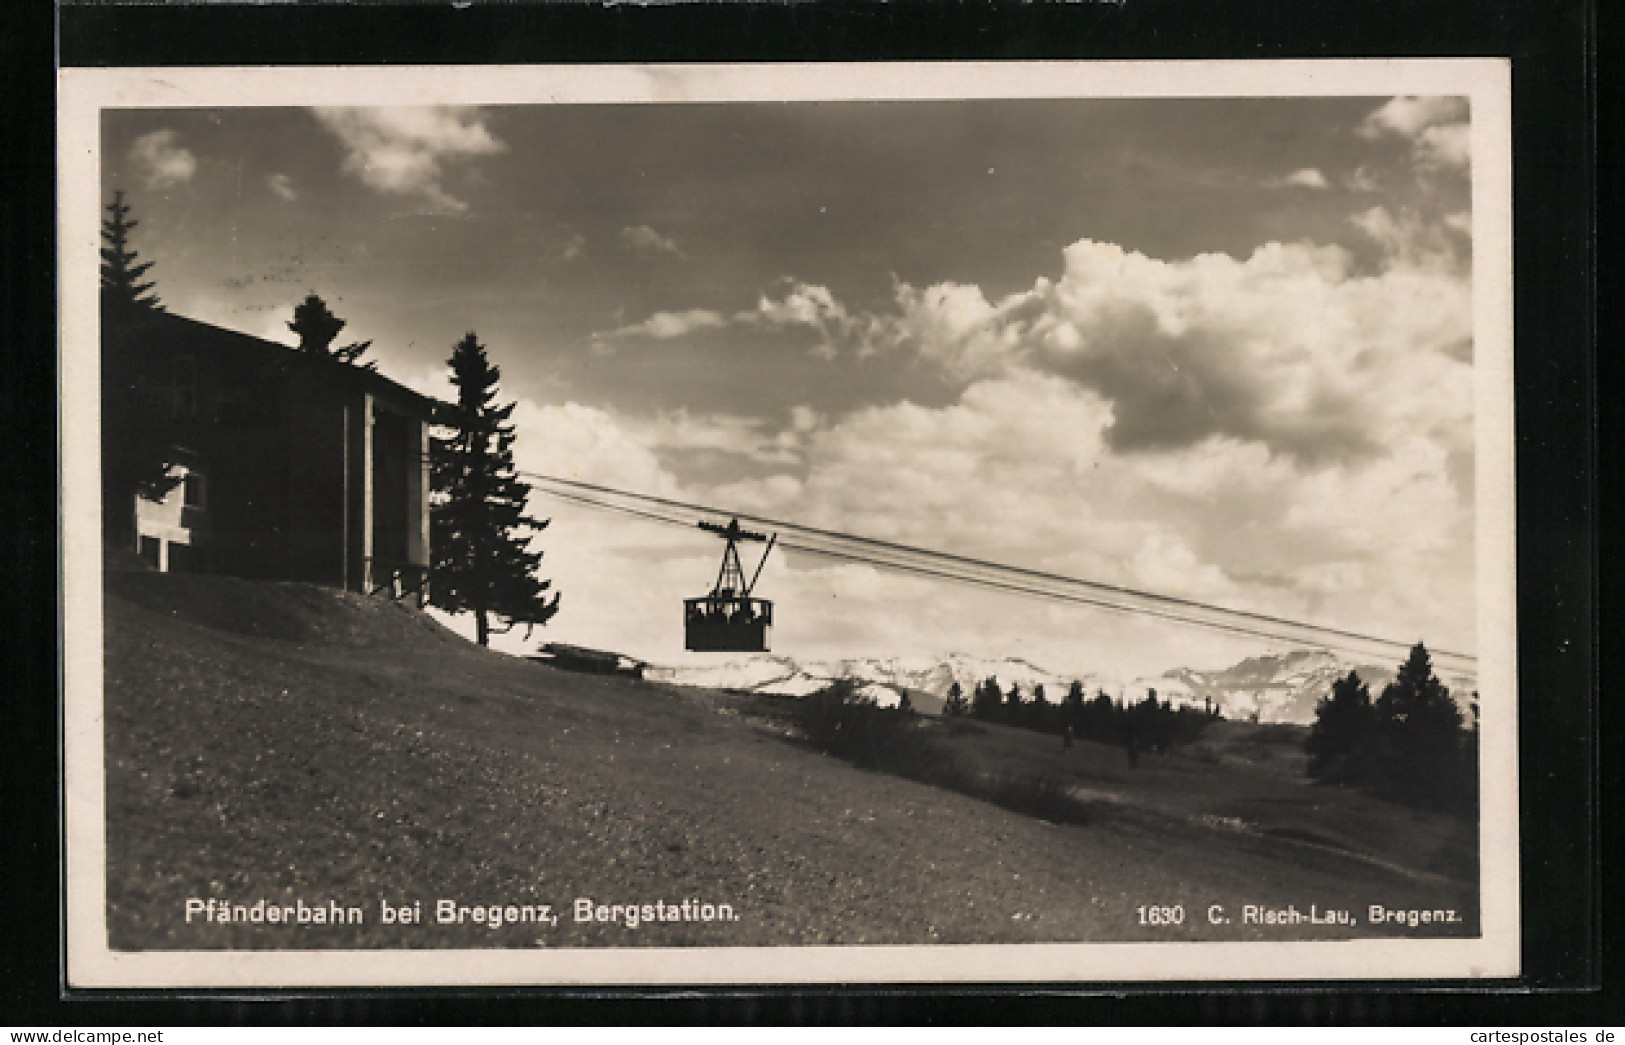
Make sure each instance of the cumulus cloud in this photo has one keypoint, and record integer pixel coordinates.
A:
(956, 326)
(1286, 432)
(1412, 241)
(1307, 178)
(1020, 470)
(1291, 347)
(573, 441)
(406, 151)
(802, 305)
(1437, 128)
(666, 326)
(1446, 145)
(160, 161)
(1409, 115)
(643, 239)
(1288, 347)
(282, 185)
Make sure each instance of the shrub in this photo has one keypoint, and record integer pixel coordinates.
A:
(840, 722)
(1037, 794)
(837, 721)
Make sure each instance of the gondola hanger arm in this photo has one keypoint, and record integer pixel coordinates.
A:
(762, 562)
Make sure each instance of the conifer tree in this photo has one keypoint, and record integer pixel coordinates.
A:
(480, 534)
(1420, 726)
(137, 441)
(123, 293)
(1340, 741)
(1072, 706)
(954, 703)
(1416, 702)
(1039, 711)
(317, 326)
(988, 702)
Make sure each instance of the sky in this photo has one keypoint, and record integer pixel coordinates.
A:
(1220, 349)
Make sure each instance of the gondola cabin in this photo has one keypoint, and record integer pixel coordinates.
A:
(729, 619)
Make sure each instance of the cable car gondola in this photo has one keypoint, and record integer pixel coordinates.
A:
(728, 619)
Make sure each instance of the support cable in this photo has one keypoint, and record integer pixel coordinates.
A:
(947, 566)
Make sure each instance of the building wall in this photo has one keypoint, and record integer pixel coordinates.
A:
(171, 534)
(398, 547)
(312, 493)
(315, 471)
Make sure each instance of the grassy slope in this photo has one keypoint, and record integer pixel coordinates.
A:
(1240, 777)
(288, 742)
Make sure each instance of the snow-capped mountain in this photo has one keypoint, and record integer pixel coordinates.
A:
(1283, 687)
(926, 680)
(1273, 688)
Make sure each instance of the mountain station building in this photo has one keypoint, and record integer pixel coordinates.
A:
(291, 466)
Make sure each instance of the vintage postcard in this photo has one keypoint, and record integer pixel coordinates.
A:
(958, 522)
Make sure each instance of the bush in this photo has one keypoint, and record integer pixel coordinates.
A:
(1037, 794)
(837, 721)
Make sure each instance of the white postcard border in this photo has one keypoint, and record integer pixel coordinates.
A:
(84, 93)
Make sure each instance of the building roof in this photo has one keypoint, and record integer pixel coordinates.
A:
(196, 336)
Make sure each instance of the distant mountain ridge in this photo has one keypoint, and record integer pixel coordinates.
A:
(1272, 688)
(885, 680)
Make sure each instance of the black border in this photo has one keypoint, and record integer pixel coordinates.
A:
(1553, 46)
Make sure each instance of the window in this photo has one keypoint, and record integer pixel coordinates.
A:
(193, 490)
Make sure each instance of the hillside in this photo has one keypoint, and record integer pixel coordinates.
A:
(307, 747)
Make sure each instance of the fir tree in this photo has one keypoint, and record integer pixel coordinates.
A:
(1072, 706)
(479, 530)
(123, 293)
(1340, 741)
(317, 327)
(137, 441)
(988, 703)
(1038, 712)
(1013, 709)
(1416, 702)
(954, 703)
(1421, 729)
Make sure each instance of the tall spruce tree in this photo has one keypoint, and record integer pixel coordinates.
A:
(137, 440)
(1340, 741)
(1416, 701)
(124, 296)
(479, 532)
(1420, 726)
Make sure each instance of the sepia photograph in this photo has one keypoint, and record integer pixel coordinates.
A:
(942, 522)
